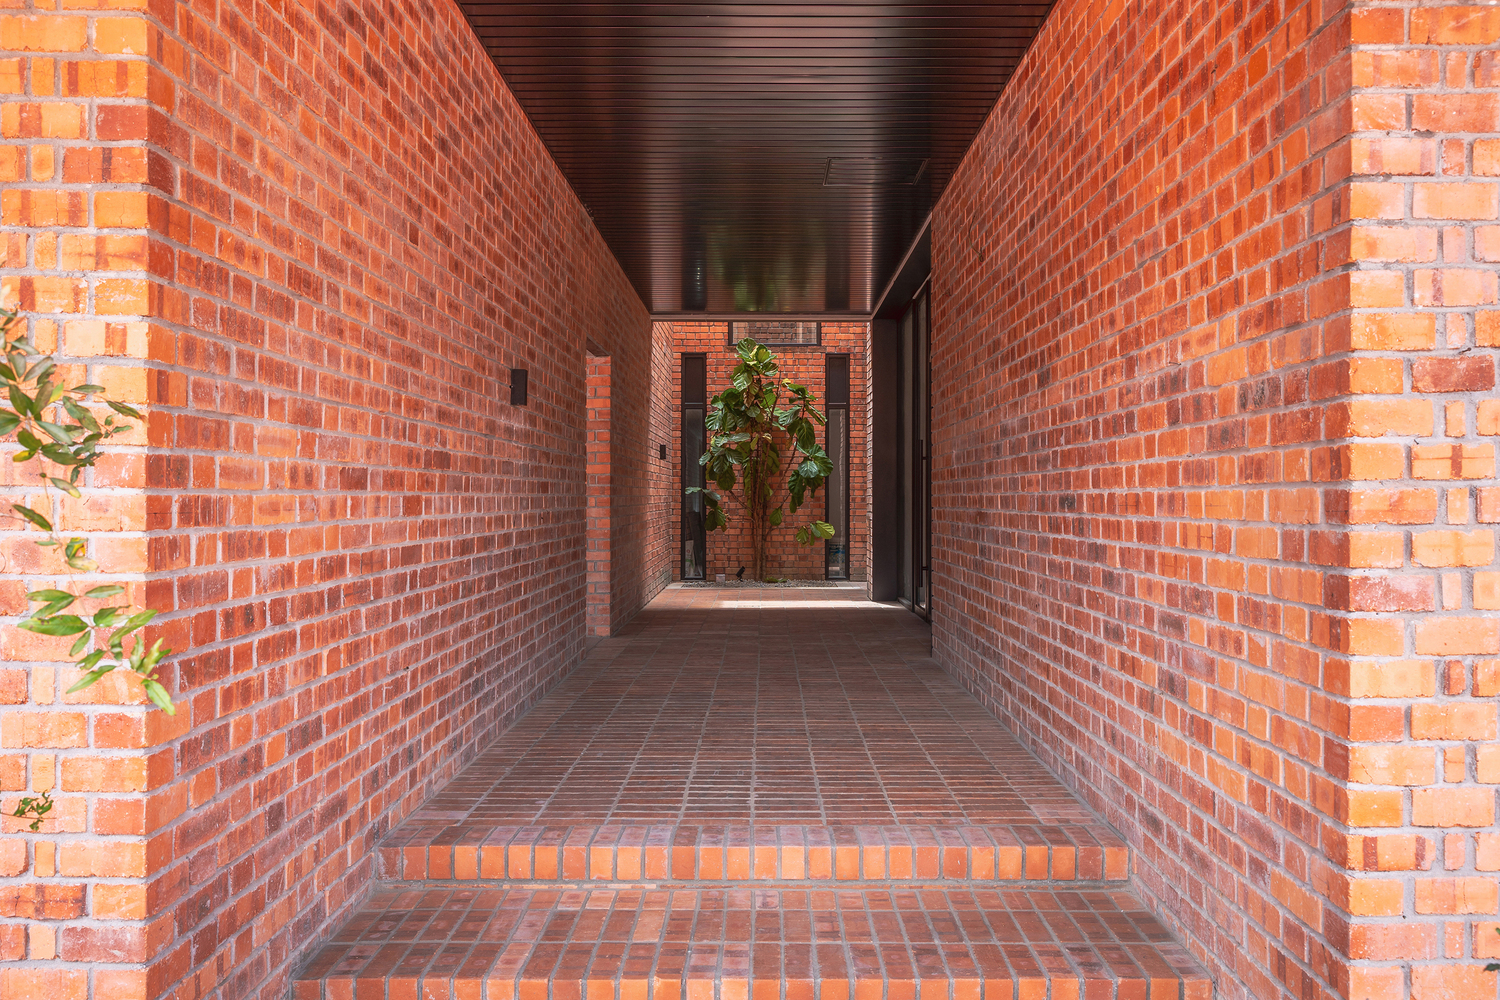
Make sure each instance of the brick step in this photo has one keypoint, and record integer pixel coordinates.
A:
(623, 852)
(896, 941)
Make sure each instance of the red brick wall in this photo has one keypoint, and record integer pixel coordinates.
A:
(728, 550)
(327, 236)
(75, 254)
(1139, 359)
(600, 461)
(1420, 839)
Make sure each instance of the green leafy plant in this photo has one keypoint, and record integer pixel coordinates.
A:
(757, 428)
(55, 428)
(37, 808)
(1493, 966)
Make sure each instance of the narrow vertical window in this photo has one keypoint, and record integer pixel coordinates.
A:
(694, 405)
(836, 393)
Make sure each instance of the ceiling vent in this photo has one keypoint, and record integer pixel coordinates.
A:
(873, 171)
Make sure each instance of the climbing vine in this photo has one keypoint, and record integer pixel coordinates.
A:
(58, 432)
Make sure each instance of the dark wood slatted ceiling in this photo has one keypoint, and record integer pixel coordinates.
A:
(773, 158)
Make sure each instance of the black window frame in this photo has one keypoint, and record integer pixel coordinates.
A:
(694, 396)
(838, 396)
(739, 330)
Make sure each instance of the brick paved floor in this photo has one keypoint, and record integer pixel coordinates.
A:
(729, 723)
(755, 795)
(695, 944)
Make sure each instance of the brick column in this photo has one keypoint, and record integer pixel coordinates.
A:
(76, 93)
(1419, 849)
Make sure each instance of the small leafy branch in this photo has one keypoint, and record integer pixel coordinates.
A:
(70, 442)
(748, 429)
(37, 808)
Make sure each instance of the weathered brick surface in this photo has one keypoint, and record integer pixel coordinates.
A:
(315, 241)
(74, 253)
(1135, 294)
(728, 550)
(1413, 845)
(1213, 346)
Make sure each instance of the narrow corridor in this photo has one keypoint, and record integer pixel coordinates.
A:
(747, 787)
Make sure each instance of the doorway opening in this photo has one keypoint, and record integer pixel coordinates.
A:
(597, 450)
(900, 422)
(916, 471)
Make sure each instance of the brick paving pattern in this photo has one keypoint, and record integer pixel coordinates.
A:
(733, 734)
(635, 834)
(635, 943)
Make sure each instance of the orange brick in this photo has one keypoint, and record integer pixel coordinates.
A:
(1375, 897)
(1377, 200)
(109, 859)
(1373, 418)
(1392, 679)
(1393, 243)
(1457, 636)
(1375, 549)
(1455, 113)
(1393, 332)
(43, 729)
(1374, 808)
(1487, 328)
(1457, 25)
(1455, 287)
(1457, 200)
(1385, 765)
(1398, 155)
(1458, 895)
(120, 209)
(1453, 721)
(1487, 760)
(1377, 289)
(43, 984)
(43, 33)
(1487, 591)
(1470, 807)
(1488, 414)
(1487, 852)
(1453, 548)
(1453, 374)
(1453, 461)
(121, 35)
(1386, 943)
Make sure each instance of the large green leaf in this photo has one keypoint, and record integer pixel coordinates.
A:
(56, 625)
(159, 696)
(21, 402)
(33, 517)
(122, 409)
